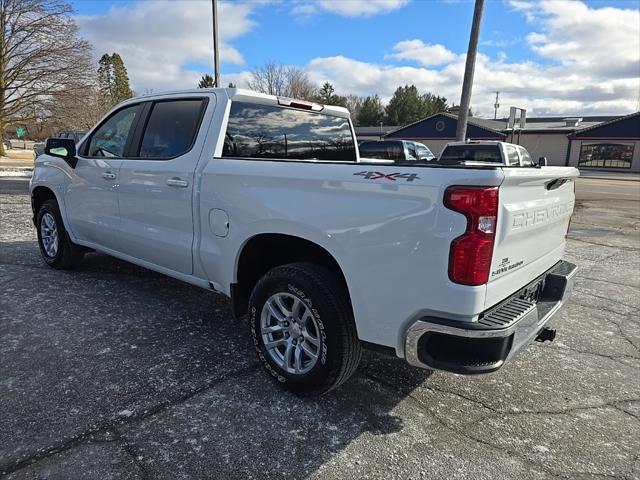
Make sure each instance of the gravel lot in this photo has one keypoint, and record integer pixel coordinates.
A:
(113, 371)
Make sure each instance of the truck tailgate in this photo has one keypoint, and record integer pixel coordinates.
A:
(535, 208)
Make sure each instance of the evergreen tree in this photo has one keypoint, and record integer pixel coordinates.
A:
(407, 105)
(122, 89)
(325, 92)
(326, 96)
(206, 81)
(371, 113)
(105, 77)
(113, 80)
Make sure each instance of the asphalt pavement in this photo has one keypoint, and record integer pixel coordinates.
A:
(590, 188)
(115, 372)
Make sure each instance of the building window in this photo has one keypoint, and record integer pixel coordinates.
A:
(606, 155)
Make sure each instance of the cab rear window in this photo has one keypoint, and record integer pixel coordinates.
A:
(272, 132)
(471, 153)
(386, 150)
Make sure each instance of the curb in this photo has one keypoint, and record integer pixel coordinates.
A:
(597, 177)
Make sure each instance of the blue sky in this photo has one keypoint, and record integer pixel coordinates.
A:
(362, 46)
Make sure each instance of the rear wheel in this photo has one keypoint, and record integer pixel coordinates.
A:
(57, 250)
(303, 329)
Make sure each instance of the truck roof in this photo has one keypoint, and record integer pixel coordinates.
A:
(480, 142)
(243, 94)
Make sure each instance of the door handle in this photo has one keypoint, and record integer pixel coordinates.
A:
(177, 182)
(109, 175)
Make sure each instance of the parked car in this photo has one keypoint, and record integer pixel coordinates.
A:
(267, 201)
(397, 150)
(76, 136)
(485, 151)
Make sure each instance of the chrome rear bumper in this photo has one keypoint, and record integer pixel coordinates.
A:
(500, 332)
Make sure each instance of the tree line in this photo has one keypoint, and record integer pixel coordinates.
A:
(48, 79)
(407, 105)
(49, 82)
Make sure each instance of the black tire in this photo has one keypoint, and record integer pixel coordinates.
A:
(68, 255)
(327, 302)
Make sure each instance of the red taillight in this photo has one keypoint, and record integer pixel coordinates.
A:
(470, 254)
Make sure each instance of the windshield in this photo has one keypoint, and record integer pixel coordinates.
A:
(471, 153)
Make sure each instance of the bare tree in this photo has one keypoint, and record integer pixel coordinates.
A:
(298, 84)
(79, 109)
(277, 79)
(269, 78)
(41, 56)
(354, 105)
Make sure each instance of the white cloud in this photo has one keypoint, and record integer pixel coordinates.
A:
(353, 76)
(157, 39)
(589, 64)
(425, 54)
(599, 42)
(304, 9)
(349, 8)
(584, 60)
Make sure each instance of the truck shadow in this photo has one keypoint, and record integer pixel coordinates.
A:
(163, 367)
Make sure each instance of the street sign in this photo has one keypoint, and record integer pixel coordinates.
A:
(21, 132)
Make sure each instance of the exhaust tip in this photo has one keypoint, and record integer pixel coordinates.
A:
(546, 334)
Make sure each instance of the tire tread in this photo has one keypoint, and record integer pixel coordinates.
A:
(332, 289)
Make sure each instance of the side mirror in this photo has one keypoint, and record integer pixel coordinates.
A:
(64, 148)
(542, 162)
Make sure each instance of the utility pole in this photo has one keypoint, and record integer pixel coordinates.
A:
(496, 106)
(467, 84)
(216, 56)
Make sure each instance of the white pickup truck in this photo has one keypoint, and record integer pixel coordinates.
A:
(265, 200)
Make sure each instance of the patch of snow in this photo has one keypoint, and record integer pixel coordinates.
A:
(16, 173)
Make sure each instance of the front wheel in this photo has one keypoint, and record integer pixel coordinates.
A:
(303, 329)
(57, 250)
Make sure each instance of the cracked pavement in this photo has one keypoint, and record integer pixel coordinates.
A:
(114, 372)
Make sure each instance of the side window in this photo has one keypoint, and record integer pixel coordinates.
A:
(411, 152)
(269, 131)
(512, 156)
(525, 158)
(171, 128)
(424, 153)
(110, 138)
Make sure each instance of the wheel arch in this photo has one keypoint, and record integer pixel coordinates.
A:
(39, 195)
(264, 251)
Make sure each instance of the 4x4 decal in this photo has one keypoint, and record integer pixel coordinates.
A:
(409, 177)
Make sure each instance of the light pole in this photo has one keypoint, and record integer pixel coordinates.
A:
(216, 57)
(467, 84)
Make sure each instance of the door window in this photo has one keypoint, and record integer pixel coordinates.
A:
(512, 156)
(171, 128)
(411, 152)
(424, 153)
(525, 158)
(110, 139)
